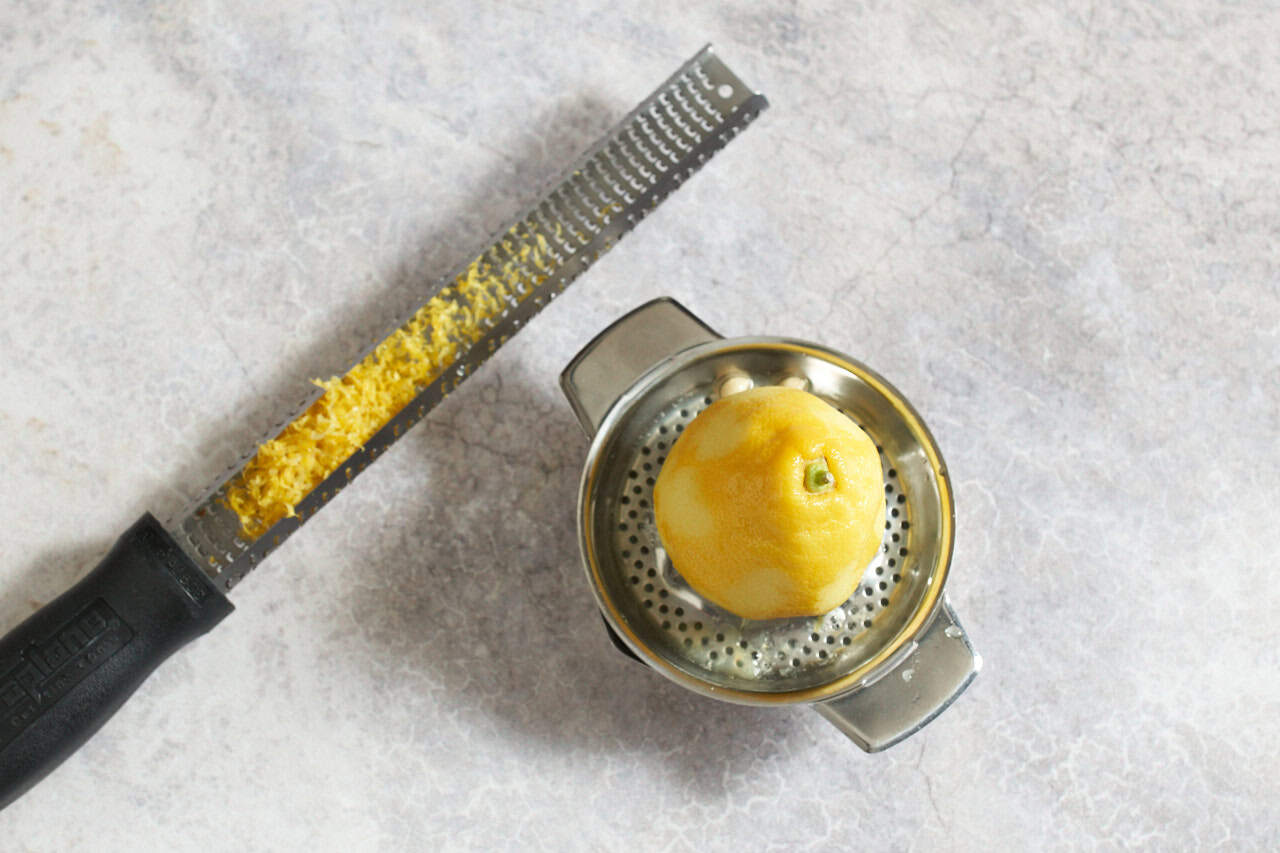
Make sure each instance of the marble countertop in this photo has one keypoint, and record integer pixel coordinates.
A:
(1055, 230)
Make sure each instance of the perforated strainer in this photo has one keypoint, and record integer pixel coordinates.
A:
(881, 665)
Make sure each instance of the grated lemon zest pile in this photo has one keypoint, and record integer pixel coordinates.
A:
(357, 404)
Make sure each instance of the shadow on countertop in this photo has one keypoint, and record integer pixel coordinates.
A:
(484, 597)
(45, 578)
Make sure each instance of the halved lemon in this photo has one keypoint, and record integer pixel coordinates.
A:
(771, 504)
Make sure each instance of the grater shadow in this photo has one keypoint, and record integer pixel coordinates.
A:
(47, 577)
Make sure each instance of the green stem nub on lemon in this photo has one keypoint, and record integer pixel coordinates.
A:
(817, 477)
(771, 504)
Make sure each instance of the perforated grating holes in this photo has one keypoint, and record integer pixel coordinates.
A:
(702, 633)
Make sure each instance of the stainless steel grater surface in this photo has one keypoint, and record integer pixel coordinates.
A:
(612, 187)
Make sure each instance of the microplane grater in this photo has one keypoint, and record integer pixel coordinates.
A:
(604, 195)
(69, 666)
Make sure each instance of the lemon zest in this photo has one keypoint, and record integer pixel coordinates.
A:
(357, 404)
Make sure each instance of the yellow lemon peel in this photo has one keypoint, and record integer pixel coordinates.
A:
(771, 504)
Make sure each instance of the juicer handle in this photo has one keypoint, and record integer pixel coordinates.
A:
(615, 358)
(910, 695)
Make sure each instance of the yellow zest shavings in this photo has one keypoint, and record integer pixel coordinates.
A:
(356, 405)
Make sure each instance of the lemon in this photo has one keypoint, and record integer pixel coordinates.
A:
(771, 504)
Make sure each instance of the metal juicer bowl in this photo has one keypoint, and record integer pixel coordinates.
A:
(635, 388)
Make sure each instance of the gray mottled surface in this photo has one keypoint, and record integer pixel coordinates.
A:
(1054, 228)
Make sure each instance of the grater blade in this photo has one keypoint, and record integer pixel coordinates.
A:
(614, 185)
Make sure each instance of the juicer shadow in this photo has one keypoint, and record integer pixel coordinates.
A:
(483, 596)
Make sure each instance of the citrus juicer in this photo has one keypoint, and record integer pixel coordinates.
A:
(881, 665)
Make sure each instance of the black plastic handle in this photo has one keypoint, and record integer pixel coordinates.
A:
(71, 665)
